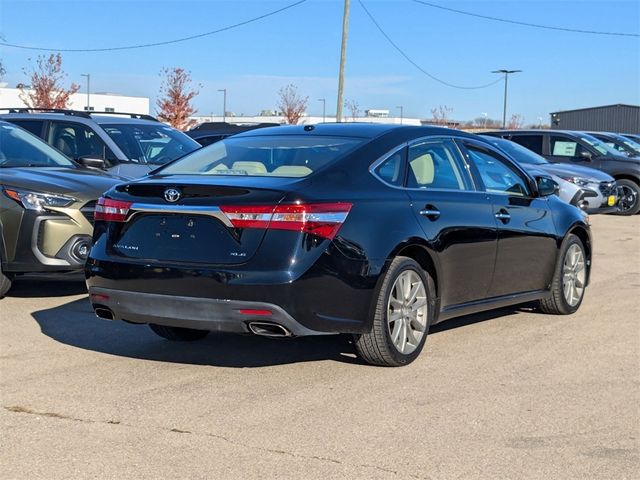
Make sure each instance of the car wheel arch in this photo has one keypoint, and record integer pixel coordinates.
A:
(418, 250)
(581, 232)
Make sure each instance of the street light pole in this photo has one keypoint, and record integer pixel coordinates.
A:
(324, 109)
(343, 58)
(401, 107)
(88, 89)
(506, 81)
(224, 104)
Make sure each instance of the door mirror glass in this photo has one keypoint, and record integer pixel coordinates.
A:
(92, 162)
(547, 186)
(585, 155)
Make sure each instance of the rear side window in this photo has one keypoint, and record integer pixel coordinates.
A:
(76, 141)
(391, 170)
(435, 164)
(33, 126)
(276, 156)
(532, 142)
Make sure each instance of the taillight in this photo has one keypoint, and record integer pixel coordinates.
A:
(321, 219)
(108, 210)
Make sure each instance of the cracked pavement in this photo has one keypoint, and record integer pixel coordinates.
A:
(507, 394)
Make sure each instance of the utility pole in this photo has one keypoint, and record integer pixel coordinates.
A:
(506, 81)
(224, 104)
(324, 109)
(343, 58)
(88, 107)
(401, 107)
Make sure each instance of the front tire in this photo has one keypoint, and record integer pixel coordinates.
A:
(178, 334)
(629, 202)
(569, 279)
(403, 313)
(5, 283)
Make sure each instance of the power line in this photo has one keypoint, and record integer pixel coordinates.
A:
(157, 44)
(534, 25)
(408, 59)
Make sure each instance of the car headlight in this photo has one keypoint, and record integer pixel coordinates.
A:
(579, 181)
(38, 201)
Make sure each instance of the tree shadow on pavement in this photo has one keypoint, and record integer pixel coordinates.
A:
(75, 324)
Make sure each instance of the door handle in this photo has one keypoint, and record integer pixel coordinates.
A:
(431, 212)
(503, 215)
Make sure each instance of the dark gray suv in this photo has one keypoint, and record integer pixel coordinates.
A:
(579, 148)
(129, 145)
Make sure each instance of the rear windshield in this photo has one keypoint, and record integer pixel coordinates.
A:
(276, 156)
(153, 144)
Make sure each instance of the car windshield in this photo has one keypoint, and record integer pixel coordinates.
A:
(19, 148)
(276, 156)
(519, 153)
(599, 145)
(153, 144)
(632, 146)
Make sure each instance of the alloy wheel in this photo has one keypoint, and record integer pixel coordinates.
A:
(407, 312)
(573, 275)
(628, 198)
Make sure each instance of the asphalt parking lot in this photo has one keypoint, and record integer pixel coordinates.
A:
(508, 394)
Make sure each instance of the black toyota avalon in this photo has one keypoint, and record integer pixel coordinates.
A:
(378, 231)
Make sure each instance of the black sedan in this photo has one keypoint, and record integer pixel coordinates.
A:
(374, 230)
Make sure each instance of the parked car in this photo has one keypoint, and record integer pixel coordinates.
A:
(210, 132)
(618, 142)
(128, 144)
(580, 186)
(578, 148)
(374, 230)
(46, 206)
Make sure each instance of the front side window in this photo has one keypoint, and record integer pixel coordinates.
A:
(19, 148)
(153, 144)
(269, 155)
(436, 164)
(565, 147)
(497, 175)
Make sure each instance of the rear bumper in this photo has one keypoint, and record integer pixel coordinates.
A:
(192, 312)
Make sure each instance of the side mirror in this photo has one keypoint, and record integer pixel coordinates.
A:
(584, 155)
(547, 186)
(92, 162)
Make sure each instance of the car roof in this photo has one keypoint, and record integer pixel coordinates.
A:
(93, 119)
(534, 130)
(350, 129)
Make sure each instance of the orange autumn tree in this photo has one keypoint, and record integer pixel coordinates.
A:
(176, 94)
(291, 104)
(46, 90)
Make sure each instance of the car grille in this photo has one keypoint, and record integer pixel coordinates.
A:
(608, 188)
(88, 211)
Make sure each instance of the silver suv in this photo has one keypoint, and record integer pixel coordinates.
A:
(125, 144)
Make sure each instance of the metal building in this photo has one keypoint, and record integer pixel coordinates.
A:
(609, 118)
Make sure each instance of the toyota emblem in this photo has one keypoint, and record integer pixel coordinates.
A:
(172, 195)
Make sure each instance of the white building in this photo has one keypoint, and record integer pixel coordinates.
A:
(98, 102)
(306, 120)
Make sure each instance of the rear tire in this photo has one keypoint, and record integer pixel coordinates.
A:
(569, 279)
(178, 334)
(402, 316)
(5, 283)
(629, 203)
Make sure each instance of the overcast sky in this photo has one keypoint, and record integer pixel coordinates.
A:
(561, 70)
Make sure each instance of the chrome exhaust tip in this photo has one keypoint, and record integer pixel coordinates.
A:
(269, 329)
(104, 313)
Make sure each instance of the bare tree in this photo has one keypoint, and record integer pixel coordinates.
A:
(291, 104)
(353, 107)
(46, 90)
(441, 114)
(176, 94)
(516, 121)
(3, 70)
